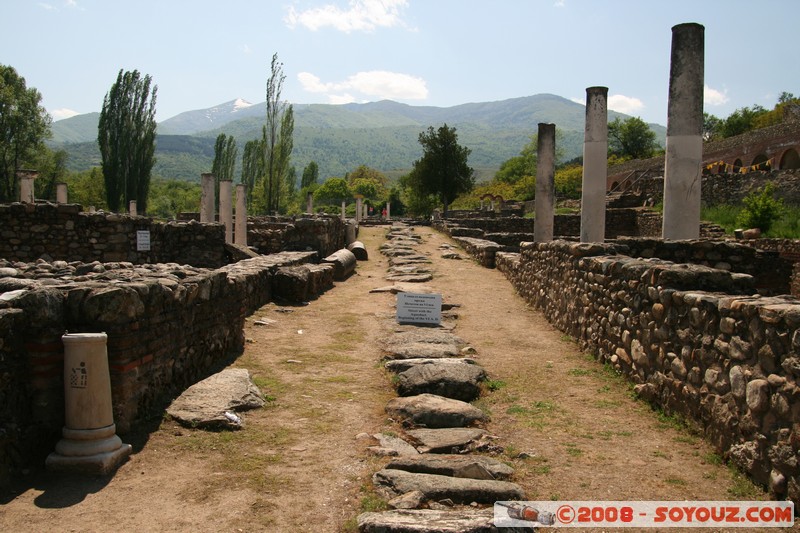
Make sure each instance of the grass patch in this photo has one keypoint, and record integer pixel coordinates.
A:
(494, 384)
(712, 458)
(659, 453)
(372, 503)
(742, 487)
(606, 404)
(580, 372)
(678, 482)
(534, 415)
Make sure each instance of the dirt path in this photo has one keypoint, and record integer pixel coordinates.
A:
(298, 467)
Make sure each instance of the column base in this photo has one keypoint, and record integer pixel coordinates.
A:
(91, 451)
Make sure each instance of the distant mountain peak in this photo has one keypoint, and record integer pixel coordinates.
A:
(240, 103)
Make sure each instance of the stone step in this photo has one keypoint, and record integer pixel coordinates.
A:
(393, 483)
(433, 411)
(430, 521)
(401, 365)
(467, 466)
(446, 440)
(410, 278)
(417, 350)
(455, 381)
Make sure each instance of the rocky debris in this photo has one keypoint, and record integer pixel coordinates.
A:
(344, 262)
(469, 466)
(452, 255)
(359, 250)
(430, 521)
(449, 440)
(401, 365)
(435, 487)
(433, 411)
(210, 403)
(456, 381)
(396, 444)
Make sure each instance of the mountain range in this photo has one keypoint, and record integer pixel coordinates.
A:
(339, 138)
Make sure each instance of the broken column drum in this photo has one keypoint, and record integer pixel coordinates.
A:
(682, 173)
(89, 444)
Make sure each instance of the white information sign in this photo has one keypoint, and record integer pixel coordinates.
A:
(143, 241)
(415, 308)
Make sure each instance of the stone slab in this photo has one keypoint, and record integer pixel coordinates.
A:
(416, 350)
(450, 440)
(396, 444)
(458, 382)
(410, 278)
(469, 466)
(433, 411)
(435, 487)
(400, 365)
(209, 404)
(431, 521)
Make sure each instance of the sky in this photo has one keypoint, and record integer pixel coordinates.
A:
(441, 53)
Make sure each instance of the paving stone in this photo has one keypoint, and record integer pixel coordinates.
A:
(449, 440)
(433, 411)
(395, 443)
(410, 278)
(409, 500)
(415, 350)
(470, 466)
(405, 287)
(432, 521)
(209, 404)
(459, 382)
(435, 487)
(424, 335)
(400, 365)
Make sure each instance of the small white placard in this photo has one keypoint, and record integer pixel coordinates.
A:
(143, 241)
(419, 308)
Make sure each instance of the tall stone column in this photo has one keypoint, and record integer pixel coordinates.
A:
(344, 215)
(309, 203)
(225, 208)
(388, 211)
(358, 209)
(90, 444)
(364, 214)
(240, 231)
(26, 190)
(545, 183)
(207, 197)
(61, 193)
(595, 166)
(682, 173)
(132, 208)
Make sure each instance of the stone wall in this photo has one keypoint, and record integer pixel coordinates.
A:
(323, 234)
(64, 232)
(695, 340)
(168, 326)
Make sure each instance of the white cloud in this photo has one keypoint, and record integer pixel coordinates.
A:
(559, 3)
(581, 101)
(361, 15)
(47, 7)
(60, 114)
(714, 97)
(246, 49)
(378, 84)
(624, 104)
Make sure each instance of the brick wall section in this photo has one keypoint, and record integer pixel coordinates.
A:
(64, 232)
(693, 339)
(168, 326)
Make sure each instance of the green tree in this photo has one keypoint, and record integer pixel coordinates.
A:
(24, 125)
(127, 139)
(740, 121)
(276, 137)
(443, 170)
(310, 175)
(710, 127)
(52, 167)
(761, 209)
(252, 168)
(284, 151)
(87, 188)
(225, 154)
(631, 138)
(333, 190)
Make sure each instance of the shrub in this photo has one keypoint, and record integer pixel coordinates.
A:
(761, 209)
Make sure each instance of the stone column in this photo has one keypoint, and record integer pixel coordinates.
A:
(26, 190)
(388, 211)
(90, 444)
(240, 236)
(132, 208)
(364, 215)
(225, 208)
(310, 203)
(545, 184)
(344, 215)
(207, 197)
(358, 210)
(684, 134)
(595, 166)
(61, 193)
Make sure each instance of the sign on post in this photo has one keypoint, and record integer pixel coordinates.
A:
(415, 308)
(143, 241)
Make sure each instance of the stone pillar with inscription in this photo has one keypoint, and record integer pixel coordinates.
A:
(226, 209)
(207, 197)
(240, 231)
(61, 193)
(545, 184)
(595, 166)
(26, 188)
(90, 444)
(682, 173)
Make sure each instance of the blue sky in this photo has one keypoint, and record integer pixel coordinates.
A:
(422, 52)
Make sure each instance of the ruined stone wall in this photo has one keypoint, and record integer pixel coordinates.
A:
(168, 326)
(730, 189)
(321, 233)
(694, 340)
(64, 232)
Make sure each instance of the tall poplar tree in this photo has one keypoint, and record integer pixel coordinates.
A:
(225, 153)
(252, 167)
(277, 137)
(127, 139)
